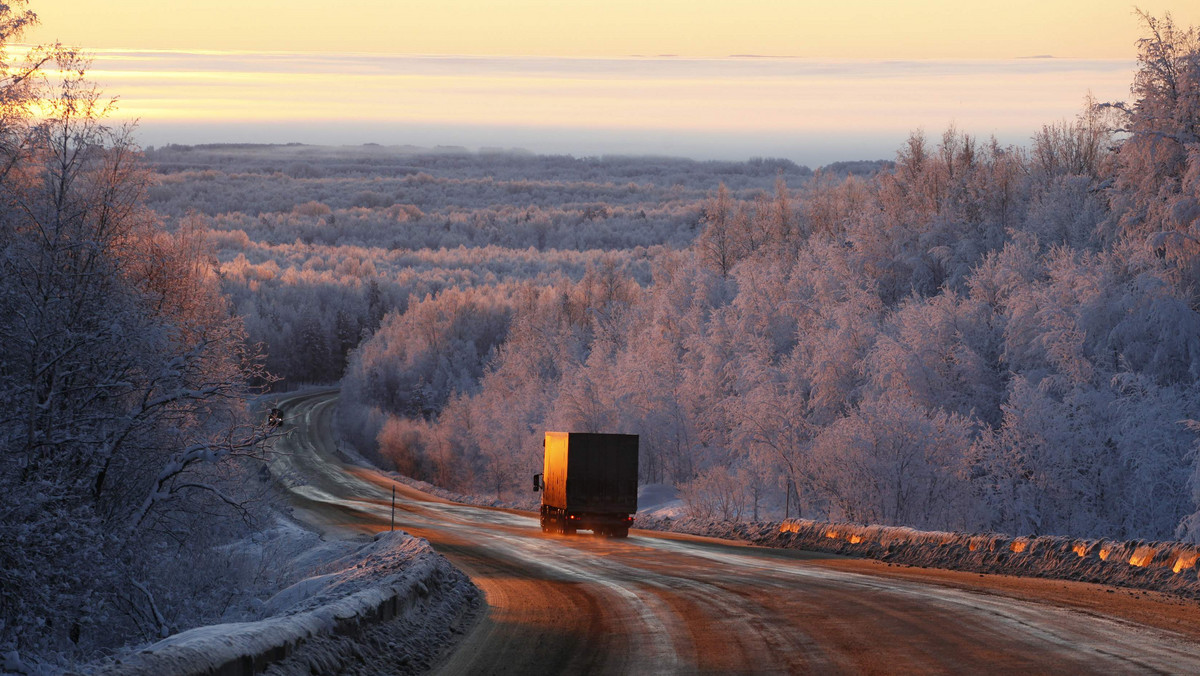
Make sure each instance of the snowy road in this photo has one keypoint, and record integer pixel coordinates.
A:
(660, 603)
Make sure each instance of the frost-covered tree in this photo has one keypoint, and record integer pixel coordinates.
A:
(892, 462)
(1156, 193)
(721, 241)
(122, 381)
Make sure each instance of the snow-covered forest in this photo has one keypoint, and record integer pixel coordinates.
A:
(969, 336)
(147, 296)
(978, 337)
(972, 336)
(318, 244)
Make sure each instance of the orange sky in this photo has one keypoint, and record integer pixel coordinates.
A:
(844, 80)
(938, 29)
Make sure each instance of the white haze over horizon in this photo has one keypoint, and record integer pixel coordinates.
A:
(812, 111)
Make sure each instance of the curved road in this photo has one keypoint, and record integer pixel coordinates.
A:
(661, 603)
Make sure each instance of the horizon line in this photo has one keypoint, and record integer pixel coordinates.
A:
(24, 47)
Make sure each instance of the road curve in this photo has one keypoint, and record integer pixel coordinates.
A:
(667, 604)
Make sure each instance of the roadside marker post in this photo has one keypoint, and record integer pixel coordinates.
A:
(393, 508)
(787, 500)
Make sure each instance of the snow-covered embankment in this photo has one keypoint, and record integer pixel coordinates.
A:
(1160, 566)
(331, 622)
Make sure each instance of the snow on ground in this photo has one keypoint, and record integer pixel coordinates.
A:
(529, 503)
(659, 501)
(279, 555)
(391, 603)
(655, 501)
(1170, 567)
(1160, 566)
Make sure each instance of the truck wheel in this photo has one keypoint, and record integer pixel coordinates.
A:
(622, 532)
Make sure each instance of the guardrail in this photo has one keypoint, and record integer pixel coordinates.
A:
(241, 649)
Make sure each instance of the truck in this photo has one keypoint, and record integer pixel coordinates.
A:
(588, 482)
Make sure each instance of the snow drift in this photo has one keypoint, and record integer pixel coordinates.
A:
(395, 576)
(1159, 566)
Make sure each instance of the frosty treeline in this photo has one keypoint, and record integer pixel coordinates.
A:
(317, 244)
(978, 337)
(123, 436)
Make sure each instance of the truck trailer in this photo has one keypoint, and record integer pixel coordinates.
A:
(588, 482)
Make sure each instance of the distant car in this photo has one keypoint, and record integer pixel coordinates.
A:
(275, 417)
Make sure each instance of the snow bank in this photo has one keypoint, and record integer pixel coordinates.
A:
(395, 576)
(1161, 566)
(659, 501)
(530, 503)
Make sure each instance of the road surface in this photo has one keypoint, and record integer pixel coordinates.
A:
(667, 604)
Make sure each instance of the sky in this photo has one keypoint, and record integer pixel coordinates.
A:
(814, 82)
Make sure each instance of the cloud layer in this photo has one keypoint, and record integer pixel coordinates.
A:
(811, 110)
